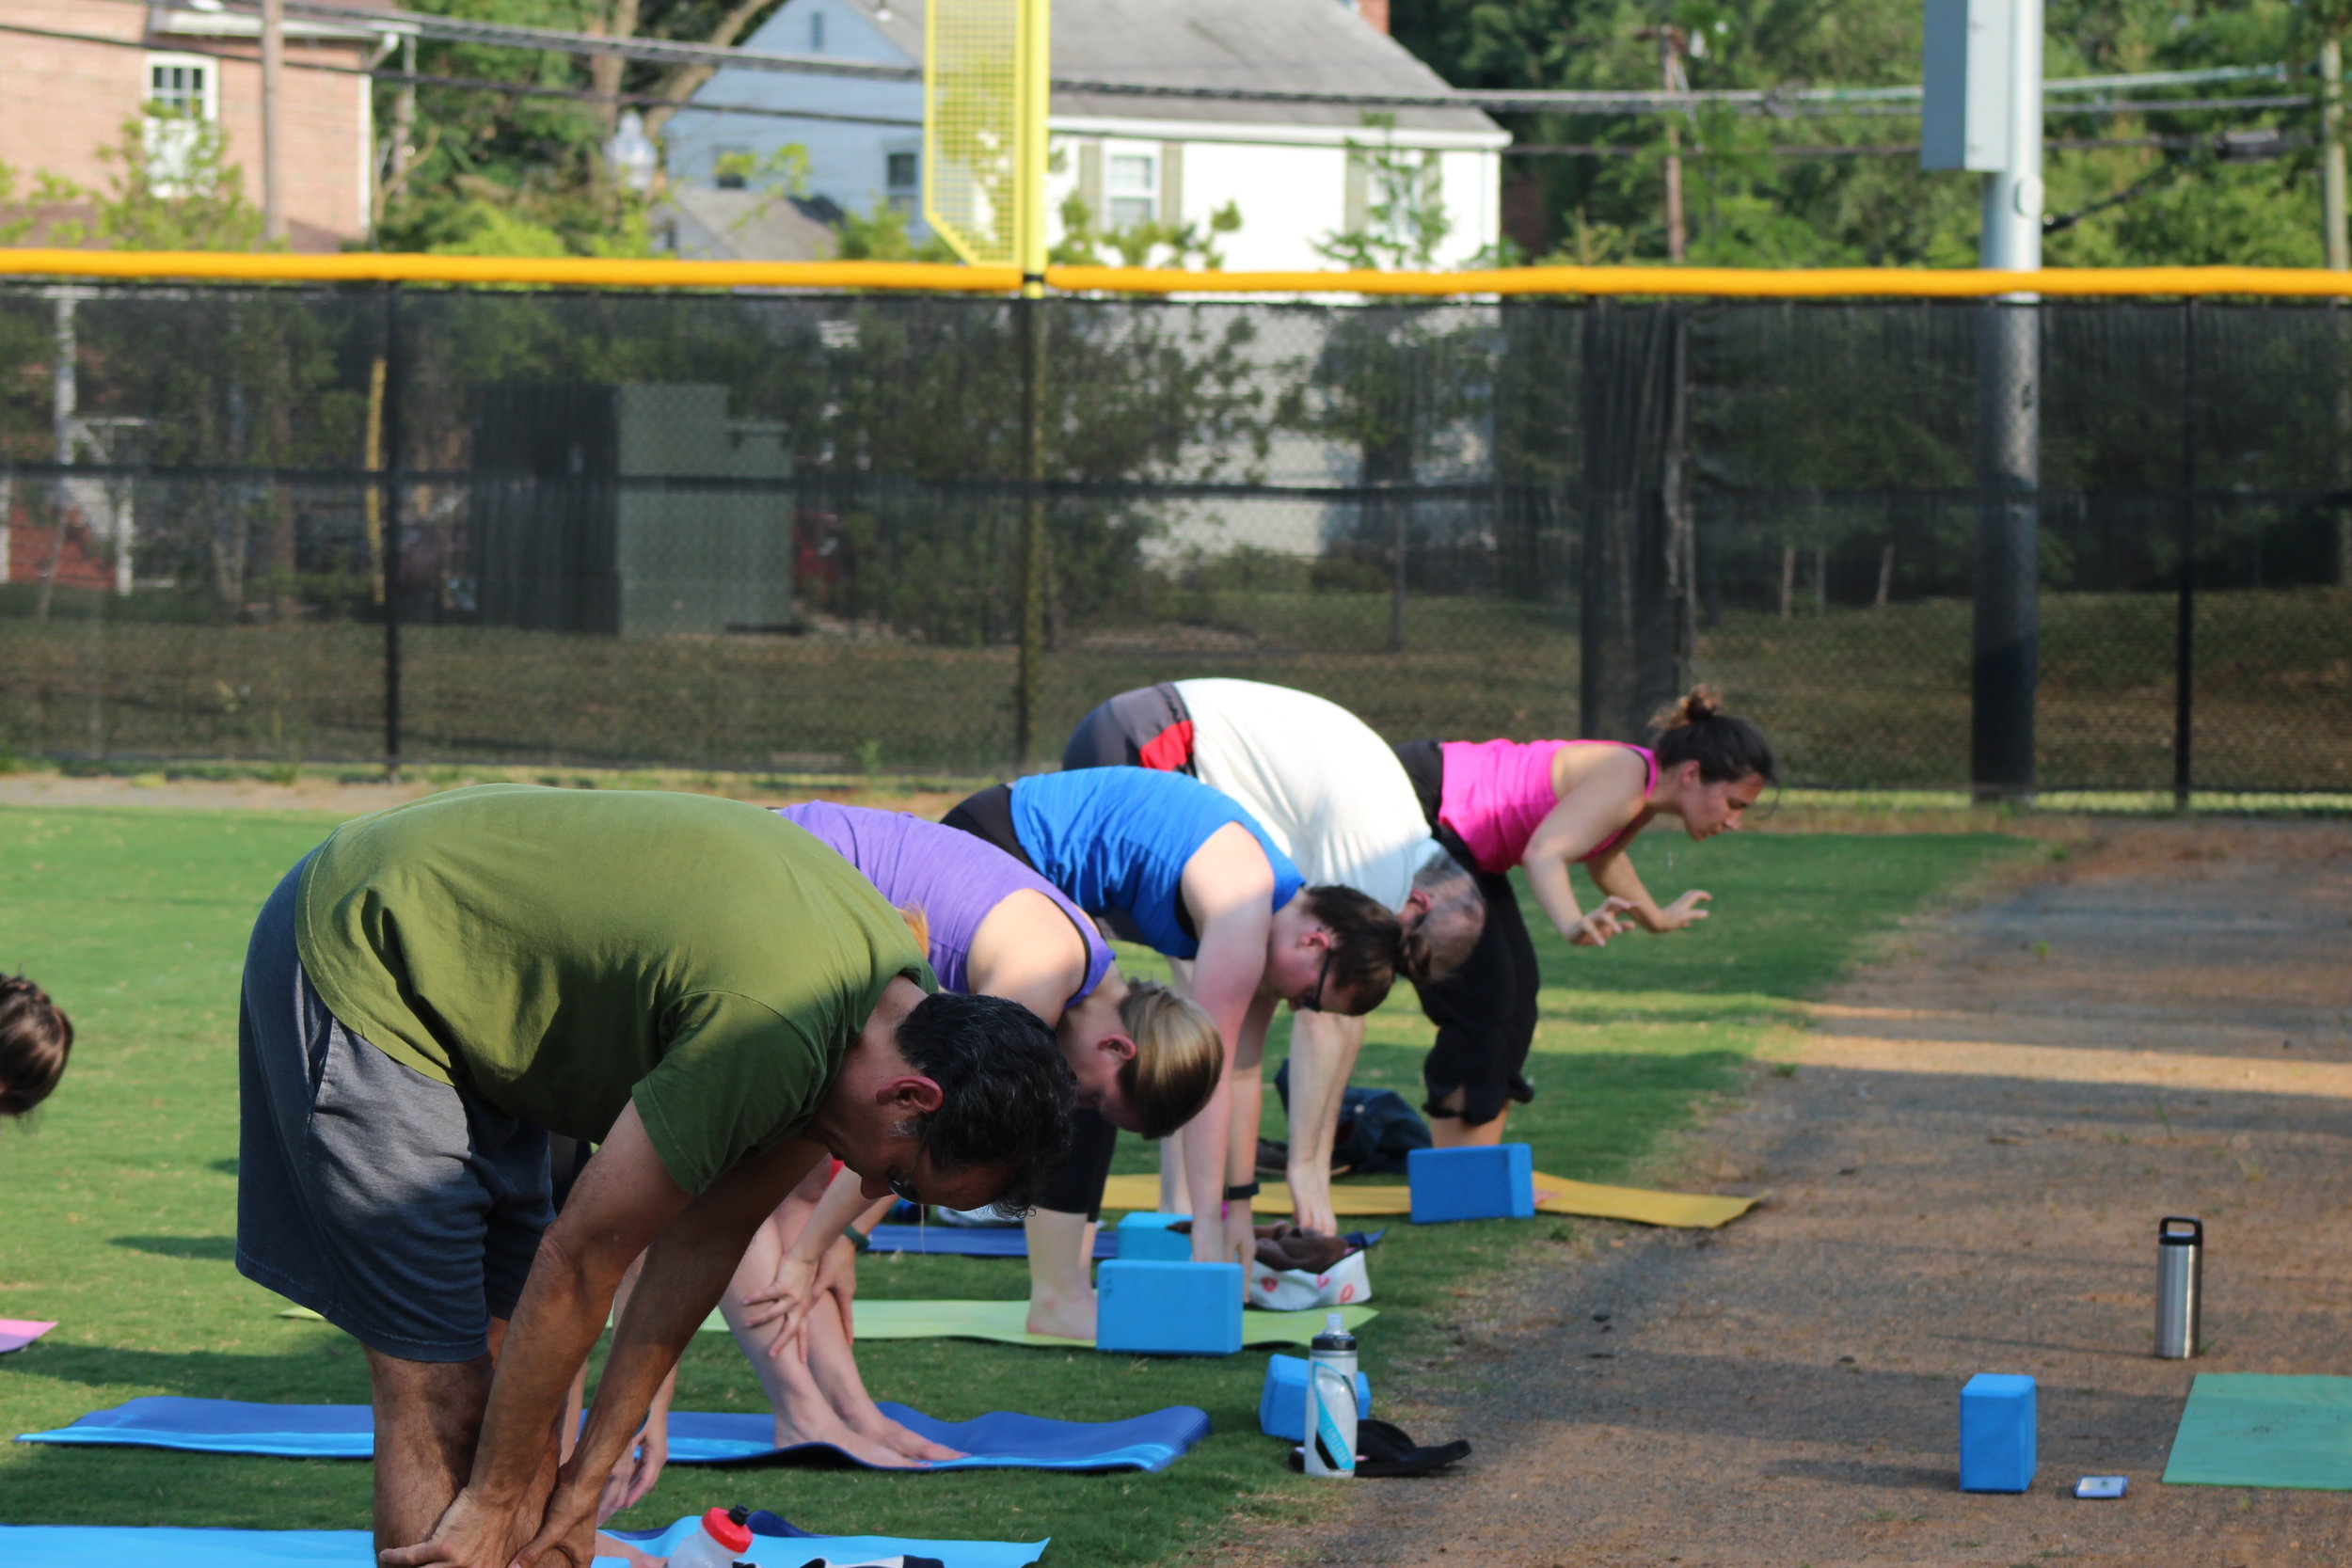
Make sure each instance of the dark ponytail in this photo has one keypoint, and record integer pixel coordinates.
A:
(1697, 729)
(35, 1040)
(1370, 946)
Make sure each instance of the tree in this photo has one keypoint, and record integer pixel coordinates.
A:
(526, 171)
(1404, 217)
(1142, 244)
(1750, 205)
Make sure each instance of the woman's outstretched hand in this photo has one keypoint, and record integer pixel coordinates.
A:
(1682, 911)
(638, 1469)
(1596, 927)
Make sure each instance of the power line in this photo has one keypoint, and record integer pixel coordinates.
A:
(1875, 150)
(1792, 99)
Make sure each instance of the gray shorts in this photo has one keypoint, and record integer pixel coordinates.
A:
(401, 1210)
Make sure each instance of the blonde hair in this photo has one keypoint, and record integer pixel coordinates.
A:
(1179, 1057)
(918, 923)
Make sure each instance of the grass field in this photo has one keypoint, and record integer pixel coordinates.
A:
(1854, 698)
(120, 1213)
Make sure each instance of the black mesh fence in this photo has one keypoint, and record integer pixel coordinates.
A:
(1924, 544)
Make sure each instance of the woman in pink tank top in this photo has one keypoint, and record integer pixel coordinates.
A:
(1541, 806)
(1546, 804)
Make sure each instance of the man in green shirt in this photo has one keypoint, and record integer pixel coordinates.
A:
(701, 989)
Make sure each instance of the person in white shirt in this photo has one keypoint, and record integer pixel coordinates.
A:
(1332, 794)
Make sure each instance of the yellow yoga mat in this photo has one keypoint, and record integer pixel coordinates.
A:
(1002, 1321)
(1553, 1196)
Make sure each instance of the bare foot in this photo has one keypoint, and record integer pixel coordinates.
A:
(1067, 1317)
(901, 1439)
(828, 1428)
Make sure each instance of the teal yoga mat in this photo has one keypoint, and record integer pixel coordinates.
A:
(2255, 1429)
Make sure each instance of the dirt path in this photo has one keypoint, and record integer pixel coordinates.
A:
(1965, 1171)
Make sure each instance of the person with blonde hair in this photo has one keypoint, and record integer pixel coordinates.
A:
(1144, 1059)
(1541, 806)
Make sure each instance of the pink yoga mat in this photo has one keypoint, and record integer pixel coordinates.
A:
(16, 1333)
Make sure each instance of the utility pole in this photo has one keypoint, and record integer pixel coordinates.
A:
(2331, 154)
(273, 128)
(1983, 111)
(1673, 80)
(1671, 44)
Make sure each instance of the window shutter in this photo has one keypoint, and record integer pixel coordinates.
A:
(1172, 182)
(1091, 182)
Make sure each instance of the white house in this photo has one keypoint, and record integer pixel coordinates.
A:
(1285, 167)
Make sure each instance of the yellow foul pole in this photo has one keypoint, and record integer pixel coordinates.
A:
(1032, 98)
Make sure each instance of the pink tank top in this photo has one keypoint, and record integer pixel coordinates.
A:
(1496, 792)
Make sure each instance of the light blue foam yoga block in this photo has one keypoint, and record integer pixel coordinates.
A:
(1997, 1432)
(1493, 1182)
(1155, 1309)
(1146, 1238)
(1282, 1404)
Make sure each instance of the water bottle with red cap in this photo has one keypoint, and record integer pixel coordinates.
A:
(722, 1540)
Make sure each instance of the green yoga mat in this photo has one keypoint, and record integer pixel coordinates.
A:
(1001, 1321)
(2251, 1429)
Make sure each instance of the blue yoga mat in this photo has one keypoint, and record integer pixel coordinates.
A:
(998, 1441)
(971, 1241)
(774, 1545)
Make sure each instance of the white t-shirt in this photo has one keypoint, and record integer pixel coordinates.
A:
(1317, 778)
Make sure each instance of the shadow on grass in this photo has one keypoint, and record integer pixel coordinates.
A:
(212, 1249)
(328, 1373)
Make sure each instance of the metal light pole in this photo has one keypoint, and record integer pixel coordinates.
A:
(1983, 111)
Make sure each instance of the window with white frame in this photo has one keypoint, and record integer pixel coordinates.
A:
(902, 181)
(1132, 188)
(182, 98)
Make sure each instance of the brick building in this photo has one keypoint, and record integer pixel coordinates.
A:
(72, 72)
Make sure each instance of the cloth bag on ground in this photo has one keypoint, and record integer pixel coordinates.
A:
(1379, 1128)
(1296, 1270)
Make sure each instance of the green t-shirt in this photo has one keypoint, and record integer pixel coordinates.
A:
(560, 952)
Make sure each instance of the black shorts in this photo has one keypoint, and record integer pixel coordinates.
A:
(1078, 1190)
(1147, 727)
(1486, 1010)
(988, 816)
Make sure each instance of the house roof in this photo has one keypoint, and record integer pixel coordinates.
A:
(704, 224)
(1283, 45)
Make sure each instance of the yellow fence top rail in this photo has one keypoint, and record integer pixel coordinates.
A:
(1709, 282)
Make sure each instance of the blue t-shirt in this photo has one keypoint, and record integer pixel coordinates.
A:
(1115, 839)
(953, 877)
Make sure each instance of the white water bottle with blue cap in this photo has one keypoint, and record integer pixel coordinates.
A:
(1331, 1447)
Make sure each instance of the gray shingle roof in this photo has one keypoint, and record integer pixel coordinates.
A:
(1298, 45)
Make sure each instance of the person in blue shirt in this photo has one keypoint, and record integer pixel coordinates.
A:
(1164, 860)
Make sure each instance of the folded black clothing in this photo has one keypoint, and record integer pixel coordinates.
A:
(1383, 1451)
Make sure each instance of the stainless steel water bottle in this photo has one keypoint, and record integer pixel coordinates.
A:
(2179, 1286)
(1331, 1400)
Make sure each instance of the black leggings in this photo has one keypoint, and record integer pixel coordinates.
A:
(1486, 1010)
(1078, 1190)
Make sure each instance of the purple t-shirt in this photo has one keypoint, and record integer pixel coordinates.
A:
(952, 876)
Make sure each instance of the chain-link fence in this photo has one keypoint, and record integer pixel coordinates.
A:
(796, 531)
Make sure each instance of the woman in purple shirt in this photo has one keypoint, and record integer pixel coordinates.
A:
(1145, 1058)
